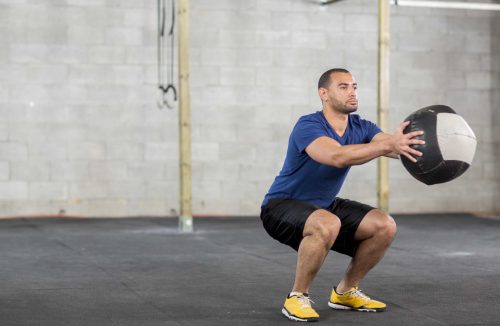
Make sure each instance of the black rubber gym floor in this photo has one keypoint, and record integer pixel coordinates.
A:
(441, 270)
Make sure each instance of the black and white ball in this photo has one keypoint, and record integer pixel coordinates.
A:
(449, 146)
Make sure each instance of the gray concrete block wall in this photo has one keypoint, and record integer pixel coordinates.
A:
(81, 131)
(492, 168)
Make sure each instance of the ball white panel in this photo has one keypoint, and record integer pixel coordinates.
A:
(455, 138)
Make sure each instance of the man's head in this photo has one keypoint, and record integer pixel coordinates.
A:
(338, 90)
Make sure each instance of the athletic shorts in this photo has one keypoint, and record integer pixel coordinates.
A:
(284, 220)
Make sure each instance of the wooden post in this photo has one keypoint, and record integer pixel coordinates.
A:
(185, 216)
(383, 98)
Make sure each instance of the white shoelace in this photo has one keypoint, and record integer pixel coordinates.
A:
(360, 294)
(304, 301)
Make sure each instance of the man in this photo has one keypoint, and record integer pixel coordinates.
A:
(301, 208)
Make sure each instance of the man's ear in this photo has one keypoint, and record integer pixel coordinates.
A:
(323, 93)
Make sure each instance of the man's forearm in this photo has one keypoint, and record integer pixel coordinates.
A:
(360, 153)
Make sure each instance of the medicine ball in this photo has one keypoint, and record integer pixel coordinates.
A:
(449, 146)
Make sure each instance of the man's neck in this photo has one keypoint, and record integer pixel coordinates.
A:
(337, 120)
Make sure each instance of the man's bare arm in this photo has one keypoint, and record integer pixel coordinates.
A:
(328, 151)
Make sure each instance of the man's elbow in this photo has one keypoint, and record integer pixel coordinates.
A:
(339, 162)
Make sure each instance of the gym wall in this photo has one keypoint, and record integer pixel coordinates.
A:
(81, 132)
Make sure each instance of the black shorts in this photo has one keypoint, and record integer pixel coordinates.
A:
(284, 220)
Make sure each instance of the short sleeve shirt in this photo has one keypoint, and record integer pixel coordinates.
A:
(305, 179)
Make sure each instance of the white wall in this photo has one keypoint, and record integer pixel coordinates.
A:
(81, 132)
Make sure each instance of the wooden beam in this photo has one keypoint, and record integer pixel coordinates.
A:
(383, 98)
(186, 215)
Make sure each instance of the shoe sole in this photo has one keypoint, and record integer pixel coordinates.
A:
(295, 318)
(342, 307)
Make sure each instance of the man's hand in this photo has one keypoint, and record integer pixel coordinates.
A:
(400, 142)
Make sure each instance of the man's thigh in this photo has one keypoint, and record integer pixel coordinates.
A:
(350, 213)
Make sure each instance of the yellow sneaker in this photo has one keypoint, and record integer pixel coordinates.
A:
(298, 308)
(354, 299)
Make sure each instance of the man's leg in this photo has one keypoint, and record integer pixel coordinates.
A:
(320, 231)
(375, 233)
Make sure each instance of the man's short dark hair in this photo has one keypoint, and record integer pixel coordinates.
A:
(324, 80)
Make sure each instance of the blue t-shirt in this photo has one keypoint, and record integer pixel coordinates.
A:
(303, 178)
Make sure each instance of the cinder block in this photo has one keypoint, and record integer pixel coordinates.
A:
(360, 60)
(281, 20)
(46, 74)
(275, 39)
(28, 53)
(256, 57)
(127, 189)
(151, 207)
(85, 35)
(48, 190)
(26, 132)
(237, 76)
(215, 170)
(30, 170)
(309, 40)
(413, 79)
(88, 190)
(138, 18)
(107, 54)
(297, 58)
(361, 23)
(163, 189)
(69, 171)
(4, 132)
(141, 55)
(212, 132)
(145, 170)
(207, 190)
(172, 170)
(161, 152)
(478, 80)
(13, 151)
(4, 171)
(225, 5)
(108, 207)
(89, 74)
(90, 3)
(108, 170)
(237, 38)
(124, 36)
(256, 172)
(234, 151)
(47, 151)
(218, 56)
(13, 190)
(205, 151)
(280, 77)
(205, 76)
(477, 43)
(129, 151)
(68, 54)
(87, 151)
(402, 24)
(66, 132)
(131, 75)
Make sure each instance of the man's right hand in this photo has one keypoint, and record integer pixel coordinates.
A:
(400, 142)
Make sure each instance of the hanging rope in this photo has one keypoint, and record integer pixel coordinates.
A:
(166, 57)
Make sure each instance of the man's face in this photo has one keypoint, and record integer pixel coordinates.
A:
(342, 94)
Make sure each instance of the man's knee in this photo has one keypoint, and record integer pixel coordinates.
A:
(379, 224)
(324, 225)
(386, 226)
